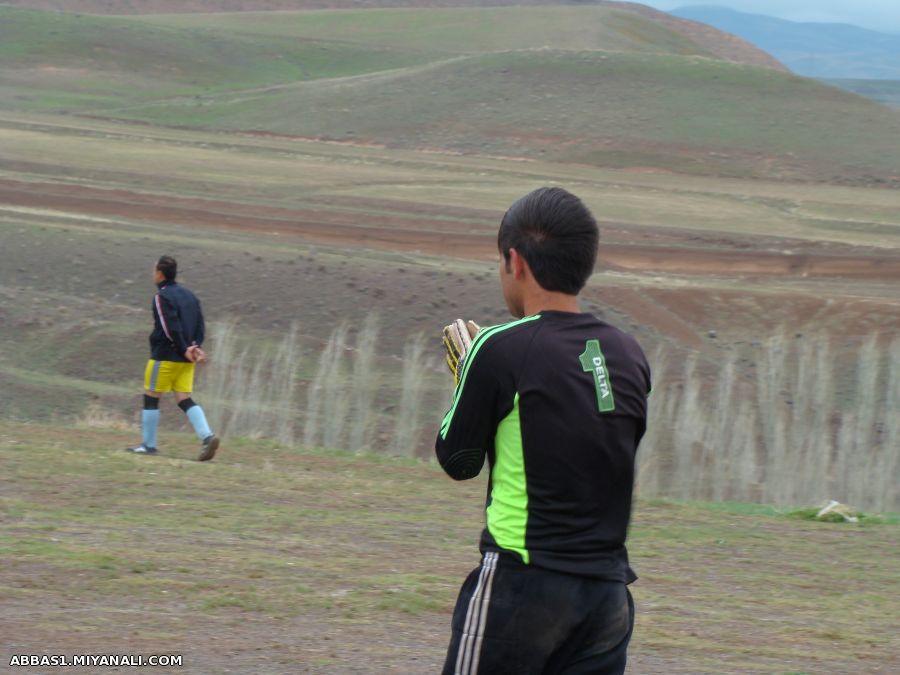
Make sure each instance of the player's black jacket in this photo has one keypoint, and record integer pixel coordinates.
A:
(177, 322)
(557, 402)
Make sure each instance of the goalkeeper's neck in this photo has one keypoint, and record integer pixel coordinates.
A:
(539, 300)
(524, 295)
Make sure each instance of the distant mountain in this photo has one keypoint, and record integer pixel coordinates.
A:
(821, 50)
(883, 91)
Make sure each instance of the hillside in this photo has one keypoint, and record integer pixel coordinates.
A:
(822, 50)
(611, 110)
(454, 31)
(605, 86)
(64, 62)
(715, 42)
(70, 63)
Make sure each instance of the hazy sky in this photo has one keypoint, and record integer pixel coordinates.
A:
(883, 15)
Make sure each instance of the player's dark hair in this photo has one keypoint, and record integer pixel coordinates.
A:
(168, 267)
(557, 236)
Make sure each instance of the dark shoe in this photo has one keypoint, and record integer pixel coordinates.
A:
(210, 445)
(141, 450)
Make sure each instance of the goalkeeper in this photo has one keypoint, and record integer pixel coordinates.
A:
(556, 401)
(178, 331)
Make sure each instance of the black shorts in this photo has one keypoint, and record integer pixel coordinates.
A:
(517, 619)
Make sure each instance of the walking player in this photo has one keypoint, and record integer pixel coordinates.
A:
(178, 332)
(556, 401)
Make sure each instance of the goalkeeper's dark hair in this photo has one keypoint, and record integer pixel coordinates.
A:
(167, 265)
(557, 236)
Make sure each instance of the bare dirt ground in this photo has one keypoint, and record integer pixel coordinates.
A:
(687, 254)
(660, 283)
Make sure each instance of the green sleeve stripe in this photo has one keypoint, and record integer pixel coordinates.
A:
(476, 345)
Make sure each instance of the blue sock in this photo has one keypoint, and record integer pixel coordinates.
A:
(198, 421)
(149, 424)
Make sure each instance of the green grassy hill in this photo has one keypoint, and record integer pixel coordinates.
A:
(155, 57)
(593, 85)
(456, 31)
(722, 44)
(685, 114)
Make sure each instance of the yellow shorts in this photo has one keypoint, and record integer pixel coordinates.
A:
(163, 376)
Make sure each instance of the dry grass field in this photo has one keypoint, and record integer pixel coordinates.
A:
(273, 560)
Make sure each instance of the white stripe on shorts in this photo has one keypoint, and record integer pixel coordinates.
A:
(469, 650)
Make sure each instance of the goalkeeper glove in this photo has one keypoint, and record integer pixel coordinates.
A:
(458, 338)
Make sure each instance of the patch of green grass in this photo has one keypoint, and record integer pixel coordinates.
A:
(834, 517)
(247, 602)
(407, 593)
(69, 554)
(743, 508)
(409, 602)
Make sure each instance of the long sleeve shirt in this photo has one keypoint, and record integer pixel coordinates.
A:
(177, 322)
(557, 404)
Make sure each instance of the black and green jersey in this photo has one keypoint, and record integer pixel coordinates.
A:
(557, 402)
